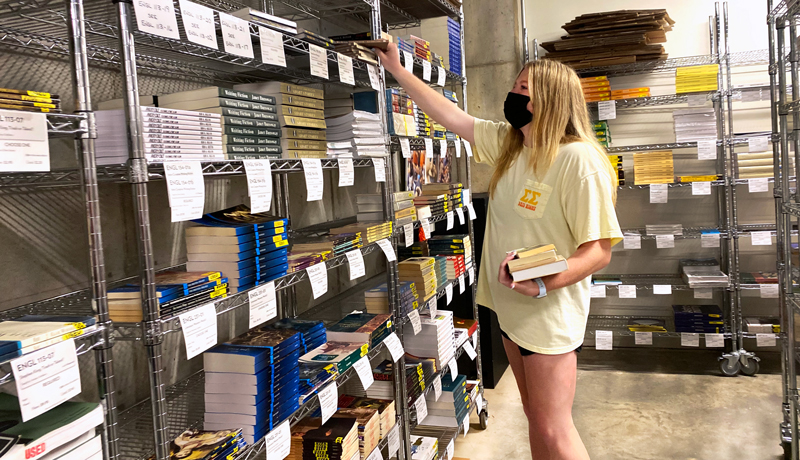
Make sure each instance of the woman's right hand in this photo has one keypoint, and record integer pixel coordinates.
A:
(390, 58)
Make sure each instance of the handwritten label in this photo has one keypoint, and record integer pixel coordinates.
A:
(703, 293)
(766, 340)
(470, 350)
(761, 238)
(441, 75)
(25, 147)
(318, 60)
(279, 442)
(428, 148)
(408, 61)
(45, 378)
(259, 184)
(347, 174)
(758, 185)
(707, 149)
(709, 240)
(769, 291)
(603, 340)
(318, 277)
(422, 409)
(236, 35)
(448, 290)
(627, 291)
(328, 401)
(416, 324)
(364, 371)
(597, 291)
(199, 329)
(607, 110)
(701, 188)
(198, 23)
(312, 168)
(379, 165)
(426, 70)
(374, 78)
(658, 193)
(405, 147)
(395, 347)
(185, 189)
(263, 306)
(632, 241)
(388, 250)
(408, 232)
(662, 289)
(157, 17)
(643, 338)
(665, 241)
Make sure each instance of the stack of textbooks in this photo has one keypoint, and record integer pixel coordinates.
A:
(342, 355)
(301, 114)
(664, 229)
(357, 51)
(536, 262)
(424, 448)
(703, 273)
(436, 340)
(370, 231)
(647, 325)
(630, 93)
(168, 135)
(207, 445)
(441, 271)
(653, 168)
(377, 299)
(418, 249)
(249, 120)
(317, 39)
(421, 47)
(453, 405)
(66, 431)
(698, 318)
(360, 328)
(696, 78)
(176, 291)
(312, 332)
(447, 245)
(385, 408)
(249, 248)
(421, 272)
(763, 325)
(382, 387)
(329, 245)
(299, 261)
(759, 277)
(267, 20)
(602, 133)
(751, 165)
(314, 376)
(337, 439)
(419, 375)
(695, 124)
(34, 332)
(596, 89)
(370, 208)
(452, 192)
(369, 427)
(357, 133)
(423, 121)
(431, 205)
(299, 431)
(252, 382)
(401, 121)
(616, 163)
(29, 101)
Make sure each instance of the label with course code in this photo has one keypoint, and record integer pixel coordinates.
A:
(405, 147)
(236, 35)
(461, 284)
(658, 193)
(470, 350)
(715, 340)
(433, 305)
(627, 291)
(416, 324)
(355, 261)
(259, 184)
(422, 409)
(665, 241)
(607, 110)
(426, 70)
(690, 339)
(453, 365)
(346, 69)
(468, 148)
(328, 401)
(437, 387)
(23, 142)
(185, 189)
(388, 250)
(157, 17)
(597, 291)
(198, 23)
(374, 77)
(318, 59)
(603, 340)
(457, 145)
(766, 340)
(451, 220)
(428, 148)
(408, 233)
(379, 166)
(395, 347)
(643, 338)
(278, 442)
(632, 241)
(460, 213)
(701, 188)
(312, 168)
(707, 149)
(408, 61)
(761, 238)
(394, 440)
(441, 75)
(758, 185)
(662, 289)
(448, 290)
(347, 174)
(271, 42)
(199, 329)
(45, 378)
(263, 305)
(318, 278)
(709, 240)
(364, 371)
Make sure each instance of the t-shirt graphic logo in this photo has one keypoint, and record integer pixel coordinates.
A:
(529, 200)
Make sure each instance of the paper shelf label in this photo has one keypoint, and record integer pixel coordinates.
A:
(709, 240)
(437, 387)
(468, 148)
(46, 378)
(347, 174)
(662, 289)
(769, 291)
(707, 149)
(659, 193)
(428, 148)
(374, 77)
(457, 145)
(199, 25)
(757, 144)
(627, 291)
(236, 35)
(433, 305)
(318, 277)
(632, 241)
(603, 340)
(271, 42)
(715, 340)
(364, 371)
(453, 365)
(185, 189)
(470, 350)
(461, 284)
(259, 184)
(408, 61)
(448, 291)
(278, 442)
(441, 75)
(346, 74)
(199, 329)
(758, 185)
(416, 323)
(701, 188)
(471, 275)
(408, 233)
(318, 60)
(395, 347)
(665, 241)
(703, 293)
(379, 165)
(597, 291)
(451, 220)
(607, 110)
(761, 238)
(460, 213)
(394, 440)
(426, 70)
(28, 149)
(426, 227)
(328, 401)
(263, 305)
(405, 147)
(388, 250)
(690, 339)
(422, 409)
(157, 17)
(312, 169)
(643, 338)
(766, 340)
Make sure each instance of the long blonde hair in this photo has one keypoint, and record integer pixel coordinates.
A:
(559, 117)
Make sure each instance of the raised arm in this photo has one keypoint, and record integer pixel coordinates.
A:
(434, 104)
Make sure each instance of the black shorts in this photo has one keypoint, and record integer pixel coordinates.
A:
(525, 351)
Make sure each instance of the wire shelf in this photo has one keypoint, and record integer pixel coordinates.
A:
(715, 183)
(451, 77)
(652, 101)
(429, 385)
(645, 282)
(688, 232)
(651, 147)
(619, 326)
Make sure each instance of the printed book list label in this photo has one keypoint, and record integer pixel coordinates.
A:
(318, 59)
(45, 378)
(707, 149)
(185, 189)
(453, 365)
(426, 70)
(448, 290)
(408, 233)
(259, 184)
(470, 350)
(643, 338)
(388, 250)
(461, 284)
(263, 305)
(376, 454)
(236, 35)
(408, 61)
(379, 165)
(428, 148)
(441, 75)
(328, 401)
(395, 347)
(607, 110)
(422, 409)
(460, 213)
(23, 142)
(405, 147)
(374, 77)
(356, 262)
(271, 47)
(457, 145)
(312, 168)
(198, 23)
(632, 241)
(715, 340)
(433, 307)
(437, 387)
(364, 371)
(347, 175)
(627, 291)
(665, 241)
(157, 17)
(416, 323)
(394, 440)
(279, 442)
(758, 185)
(709, 240)
(603, 340)
(199, 329)
(658, 193)
(346, 69)
(690, 339)
(451, 220)
(318, 277)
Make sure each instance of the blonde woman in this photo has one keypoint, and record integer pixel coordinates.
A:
(551, 184)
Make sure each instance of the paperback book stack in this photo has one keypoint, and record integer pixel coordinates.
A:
(299, 432)
(33, 332)
(370, 231)
(418, 249)
(402, 121)
(653, 168)
(369, 427)
(536, 262)
(312, 332)
(630, 93)
(207, 445)
(385, 408)
(703, 273)
(176, 291)
(248, 119)
(370, 208)
(424, 447)
(377, 299)
(66, 431)
(361, 328)
(664, 229)
(647, 325)
(301, 114)
(299, 261)
(436, 340)
(444, 34)
(267, 20)
(423, 122)
(168, 135)
(596, 89)
(453, 405)
(357, 133)
(695, 124)
(342, 355)
(441, 271)
(419, 375)
(405, 45)
(29, 101)
(696, 78)
(317, 39)
(252, 382)
(249, 248)
(421, 48)
(432, 205)
(421, 272)
(404, 200)
(698, 318)
(313, 377)
(751, 165)
(602, 133)
(329, 245)
(359, 51)
(451, 245)
(337, 439)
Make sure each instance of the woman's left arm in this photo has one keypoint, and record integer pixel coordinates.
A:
(587, 259)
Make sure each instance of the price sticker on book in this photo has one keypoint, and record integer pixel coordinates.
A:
(428, 148)
(627, 291)
(198, 23)
(199, 329)
(422, 409)
(448, 290)
(707, 149)
(701, 188)
(328, 401)
(632, 241)
(758, 185)
(769, 291)
(453, 365)
(460, 213)
(690, 339)
(408, 61)
(757, 144)
(715, 340)
(355, 262)
(457, 146)
(46, 377)
(468, 148)
(379, 165)
(597, 291)
(441, 75)
(278, 442)
(405, 147)
(437, 387)
(709, 240)
(665, 241)
(318, 60)
(471, 275)
(658, 193)
(433, 305)
(761, 238)
(470, 350)
(426, 228)
(416, 323)
(374, 77)
(157, 17)
(662, 289)
(395, 347)
(603, 340)
(766, 340)
(408, 232)
(461, 284)
(703, 293)
(451, 220)
(318, 278)
(347, 173)
(376, 454)
(426, 70)
(607, 110)
(271, 42)
(236, 35)
(263, 305)
(643, 338)
(312, 168)
(185, 189)
(27, 149)
(394, 440)
(364, 371)
(259, 184)
(388, 250)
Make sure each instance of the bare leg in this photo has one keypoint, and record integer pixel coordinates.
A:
(515, 359)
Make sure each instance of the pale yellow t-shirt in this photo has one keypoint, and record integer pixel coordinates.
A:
(571, 205)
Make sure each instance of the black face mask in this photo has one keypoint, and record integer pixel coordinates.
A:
(516, 110)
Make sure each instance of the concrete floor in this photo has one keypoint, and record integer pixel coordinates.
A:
(648, 404)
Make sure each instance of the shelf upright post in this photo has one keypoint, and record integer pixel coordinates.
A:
(84, 148)
(138, 177)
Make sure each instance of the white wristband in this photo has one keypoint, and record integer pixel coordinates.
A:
(542, 288)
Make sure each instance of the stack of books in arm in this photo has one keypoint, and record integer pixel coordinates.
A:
(168, 135)
(385, 407)
(452, 406)
(436, 340)
(360, 328)
(698, 318)
(249, 120)
(29, 101)
(65, 432)
(421, 272)
(34, 332)
(176, 292)
(369, 427)
(703, 273)
(206, 445)
(252, 382)
(424, 448)
(357, 133)
(341, 354)
(250, 248)
(377, 299)
(337, 439)
(536, 262)
(301, 114)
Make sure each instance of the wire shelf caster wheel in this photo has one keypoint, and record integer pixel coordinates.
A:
(484, 419)
(750, 366)
(729, 368)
